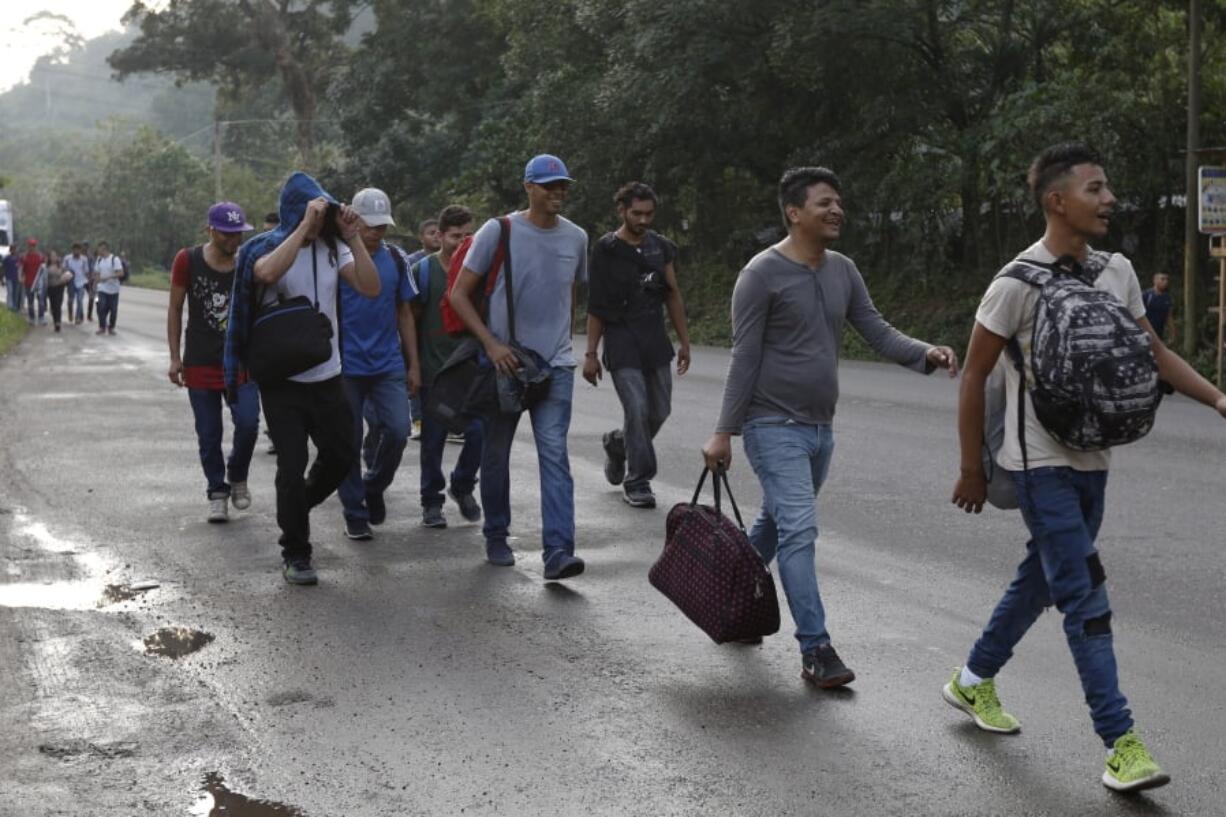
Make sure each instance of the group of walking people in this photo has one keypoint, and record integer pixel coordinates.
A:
(511, 287)
(35, 281)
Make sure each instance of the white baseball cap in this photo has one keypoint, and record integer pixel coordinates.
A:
(374, 207)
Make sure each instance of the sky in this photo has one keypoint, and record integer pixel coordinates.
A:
(21, 45)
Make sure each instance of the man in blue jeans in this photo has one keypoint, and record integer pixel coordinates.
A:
(203, 276)
(789, 306)
(455, 224)
(377, 336)
(549, 260)
(1060, 491)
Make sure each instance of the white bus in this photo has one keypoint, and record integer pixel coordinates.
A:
(6, 227)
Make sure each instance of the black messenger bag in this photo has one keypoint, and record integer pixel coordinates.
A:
(290, 336)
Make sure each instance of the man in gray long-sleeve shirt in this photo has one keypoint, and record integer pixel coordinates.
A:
(788, 310)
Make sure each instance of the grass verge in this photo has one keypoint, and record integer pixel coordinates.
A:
(150, 278)
(12, 329)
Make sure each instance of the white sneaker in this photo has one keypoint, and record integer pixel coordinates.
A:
(240, 497)
(218, 510)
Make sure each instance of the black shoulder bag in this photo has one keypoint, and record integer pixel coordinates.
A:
(529, 384)
(290, 336)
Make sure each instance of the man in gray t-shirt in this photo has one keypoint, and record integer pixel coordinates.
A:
(788, 310)
(549, 260)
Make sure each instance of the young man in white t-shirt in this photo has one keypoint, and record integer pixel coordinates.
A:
(108, 271)
(321, 249)
(1060, 491)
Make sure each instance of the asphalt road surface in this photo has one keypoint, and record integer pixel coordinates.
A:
(417, 679)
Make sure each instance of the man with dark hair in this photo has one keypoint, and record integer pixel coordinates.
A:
(1060, 490)
(633, 280)
(428, 235)
(12, 279)
(548, 261)
(203, 277)
(91, 287)
(108, 273)
(1157, 300)
(271, 220)
(789, 307)
(78, 263)
(378, 337)
(434, 345)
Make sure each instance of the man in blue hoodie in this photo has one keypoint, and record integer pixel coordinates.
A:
(315, 246)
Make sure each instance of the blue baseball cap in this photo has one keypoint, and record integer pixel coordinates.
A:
(546, 168)
(228, 217)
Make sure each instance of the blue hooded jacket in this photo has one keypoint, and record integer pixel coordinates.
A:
(297, 192)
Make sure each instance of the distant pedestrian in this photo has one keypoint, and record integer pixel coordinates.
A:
(203, 276)
(633, 280)
(91, 287)
(378, 335)
(31, 275)
(108, 270)
(434, 345)
(549, 255)
(78, 264)
(1158, 305)
(789, 307)
(58, 280)
(1061, 490)
(12, 280)
(315, 246)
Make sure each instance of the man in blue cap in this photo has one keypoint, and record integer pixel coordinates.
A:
(203, 276)
(549, 260)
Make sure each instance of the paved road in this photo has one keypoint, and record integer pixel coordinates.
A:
(418, 680)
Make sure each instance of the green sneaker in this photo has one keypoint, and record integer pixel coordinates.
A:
(1131, 768)
(980, 702)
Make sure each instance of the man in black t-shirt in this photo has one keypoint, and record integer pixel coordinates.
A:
(633, 281)
(1158, 306)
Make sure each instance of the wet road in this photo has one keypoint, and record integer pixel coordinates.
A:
(416, 679)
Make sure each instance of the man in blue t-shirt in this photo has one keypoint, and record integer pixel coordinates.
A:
(377, 336)
(549, 255)
(1158, 306)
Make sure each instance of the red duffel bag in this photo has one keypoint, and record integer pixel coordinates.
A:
(710, 571)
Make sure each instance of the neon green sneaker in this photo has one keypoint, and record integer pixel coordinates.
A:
(980, 702)
(1131, 768)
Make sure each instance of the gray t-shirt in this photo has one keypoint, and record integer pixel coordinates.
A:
(787, 328)
(546, 263)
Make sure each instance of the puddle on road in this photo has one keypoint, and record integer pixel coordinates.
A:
(174, 642)
(218, 801)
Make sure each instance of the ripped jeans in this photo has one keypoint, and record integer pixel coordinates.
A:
(1063, 509)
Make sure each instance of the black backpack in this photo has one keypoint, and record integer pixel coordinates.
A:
(1095, 378)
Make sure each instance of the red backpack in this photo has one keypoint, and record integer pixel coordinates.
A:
(452, 324)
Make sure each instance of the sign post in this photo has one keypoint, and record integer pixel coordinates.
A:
(1212, 221)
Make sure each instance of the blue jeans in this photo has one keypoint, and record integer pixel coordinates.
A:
(206, 406)
(14, 291)
(550, 425)
(791, 461)
(76, 295)
(386, 397)
(36, 295)
(1063, 509)
(108, 308)
(433, 442)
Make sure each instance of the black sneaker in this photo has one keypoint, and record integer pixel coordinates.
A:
(639, 498)
(432, 517)
(299, 571)
(358, 530)
(469, 509)
(614, 457)
(377, 509)
(823, 668)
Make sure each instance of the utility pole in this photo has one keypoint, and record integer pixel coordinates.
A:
(1191, 238)
(217, 160)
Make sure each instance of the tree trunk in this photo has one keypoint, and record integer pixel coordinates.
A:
(970, 210)
(271, 33)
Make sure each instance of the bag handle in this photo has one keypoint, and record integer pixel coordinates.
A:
(716, 478)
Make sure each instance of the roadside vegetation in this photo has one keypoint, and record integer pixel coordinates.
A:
(12, 329)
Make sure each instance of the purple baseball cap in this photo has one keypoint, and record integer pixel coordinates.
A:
(546, 168)
(227, 217)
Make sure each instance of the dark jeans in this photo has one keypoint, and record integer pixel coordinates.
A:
(56, 296)
(1063, 509)
(433, 442)
(39, 296)
(384, 399)
(550, 425)
(76, 301)
(108, 308)
(646, 396)
(295, 413)
(206, 406)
